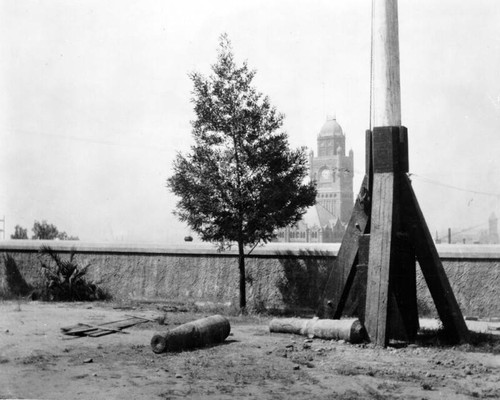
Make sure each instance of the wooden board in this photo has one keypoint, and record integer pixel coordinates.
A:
(356, 299)
(390, 310)
(103, 329)
(377, 290)
(432, 268)
(398, 235)
(386, 149)
(403, 288)
(355, 302)
(341, 275)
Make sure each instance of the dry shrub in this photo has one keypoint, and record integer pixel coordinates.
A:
(64, 280)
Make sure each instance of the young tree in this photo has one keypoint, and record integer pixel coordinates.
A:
(19, 233)
(241, 181)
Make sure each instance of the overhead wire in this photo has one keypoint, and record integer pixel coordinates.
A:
(434, 182)
(87, 140)
(426, 180)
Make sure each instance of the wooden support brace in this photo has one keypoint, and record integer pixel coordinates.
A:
(356, 299)
(390, 281)
(403, 289)
(432, 268)
(341, 275)
(377, 289)
(387, 220)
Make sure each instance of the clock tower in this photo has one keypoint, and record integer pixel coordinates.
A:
(333, 172)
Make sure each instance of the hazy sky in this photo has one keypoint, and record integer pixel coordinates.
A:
(95, 101)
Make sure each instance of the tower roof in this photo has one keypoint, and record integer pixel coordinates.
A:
(330, 128)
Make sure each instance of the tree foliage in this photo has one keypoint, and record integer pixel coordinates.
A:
(241, 181)
(65, 236)
(19, 233)
(45, 231)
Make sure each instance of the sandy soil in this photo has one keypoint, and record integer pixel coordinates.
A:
(36, 361)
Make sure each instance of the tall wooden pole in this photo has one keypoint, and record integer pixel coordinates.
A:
(385, 219)
(386, 89)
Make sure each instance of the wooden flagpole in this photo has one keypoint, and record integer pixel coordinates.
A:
(374, 276)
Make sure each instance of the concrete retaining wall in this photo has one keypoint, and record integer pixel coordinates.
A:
(282, 276)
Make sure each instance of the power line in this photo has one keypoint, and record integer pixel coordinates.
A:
(424, 179)
(454, 234)
(469, 229)
(87, 140)
(437, 183)
(341, 170)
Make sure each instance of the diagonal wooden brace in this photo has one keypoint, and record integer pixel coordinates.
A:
(428, 258)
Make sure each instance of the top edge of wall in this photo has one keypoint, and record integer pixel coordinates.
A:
(193, 248)
(459, 251)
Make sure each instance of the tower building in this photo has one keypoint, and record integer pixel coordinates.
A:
(333, 171)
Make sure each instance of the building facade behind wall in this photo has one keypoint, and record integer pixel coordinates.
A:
(333, 171)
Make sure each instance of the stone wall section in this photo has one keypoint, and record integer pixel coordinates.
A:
(280, 276)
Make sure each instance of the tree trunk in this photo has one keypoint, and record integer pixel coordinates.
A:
(241, 264)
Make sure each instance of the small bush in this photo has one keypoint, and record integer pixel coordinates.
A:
(65, 280)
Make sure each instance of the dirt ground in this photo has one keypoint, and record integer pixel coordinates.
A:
(38, 362)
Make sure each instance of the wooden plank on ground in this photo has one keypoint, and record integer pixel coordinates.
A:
(142, 318)
(102, 328)
(78, 325)
(72, 327)
(83, 329)
(105, 328)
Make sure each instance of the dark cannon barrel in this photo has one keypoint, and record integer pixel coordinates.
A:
(199, 333)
